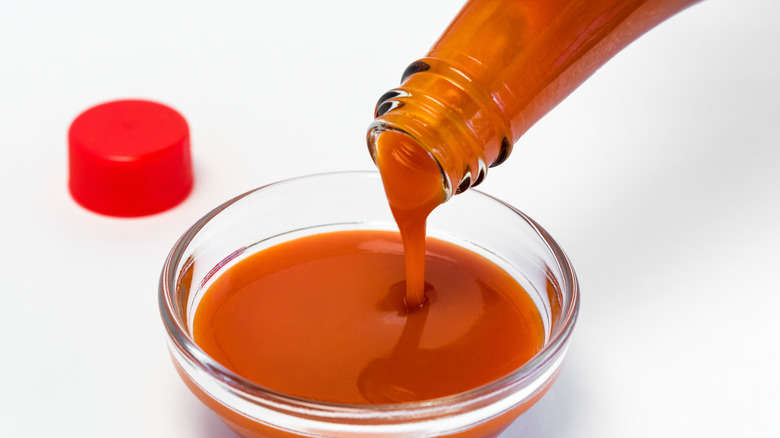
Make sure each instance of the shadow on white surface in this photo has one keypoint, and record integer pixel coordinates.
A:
(552, 415)
(209, 424)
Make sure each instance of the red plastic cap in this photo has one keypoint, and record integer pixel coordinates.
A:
(129, 158)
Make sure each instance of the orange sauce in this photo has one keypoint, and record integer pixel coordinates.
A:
(323, 317)
(413, 187)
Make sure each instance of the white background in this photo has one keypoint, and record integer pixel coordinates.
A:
(660, 177)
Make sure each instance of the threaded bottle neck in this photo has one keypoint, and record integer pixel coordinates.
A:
(439, 108)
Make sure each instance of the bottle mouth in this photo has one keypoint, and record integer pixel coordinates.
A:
(379, 127)
(209, 246)
(451, 126)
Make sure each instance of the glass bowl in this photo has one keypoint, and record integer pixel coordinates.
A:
(355, 200)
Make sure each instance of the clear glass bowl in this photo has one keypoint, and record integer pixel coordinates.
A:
(355, 200)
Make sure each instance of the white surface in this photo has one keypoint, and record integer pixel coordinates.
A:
(660, 177)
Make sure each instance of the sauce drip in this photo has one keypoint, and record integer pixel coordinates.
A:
(413, 186)
(323, 317)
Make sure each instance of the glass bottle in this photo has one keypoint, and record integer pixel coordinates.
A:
(496, 70)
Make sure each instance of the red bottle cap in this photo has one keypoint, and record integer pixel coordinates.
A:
(129, 158)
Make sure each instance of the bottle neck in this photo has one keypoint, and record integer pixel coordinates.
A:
(438, 107)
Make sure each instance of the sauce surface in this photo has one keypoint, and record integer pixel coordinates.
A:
(324, 317)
